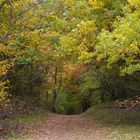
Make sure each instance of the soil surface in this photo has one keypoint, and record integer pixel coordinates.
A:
(72, 127)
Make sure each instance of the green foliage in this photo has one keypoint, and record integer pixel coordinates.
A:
(69, 103)
(49, 46)
(121, 46)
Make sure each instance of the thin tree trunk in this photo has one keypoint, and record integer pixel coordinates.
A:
(55, 92)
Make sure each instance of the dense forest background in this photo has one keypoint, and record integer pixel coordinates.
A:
(67, 55)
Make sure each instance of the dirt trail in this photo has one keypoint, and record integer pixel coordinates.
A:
(73, 127)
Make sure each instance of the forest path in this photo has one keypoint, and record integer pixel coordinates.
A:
(70, 127)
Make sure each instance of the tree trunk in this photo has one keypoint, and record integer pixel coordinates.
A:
(55, 90)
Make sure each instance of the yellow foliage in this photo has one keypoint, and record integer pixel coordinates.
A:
(134, 2)
(5, 65)
(2, 48)
(97, 3)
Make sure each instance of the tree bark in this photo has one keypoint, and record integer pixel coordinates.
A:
(55, 90)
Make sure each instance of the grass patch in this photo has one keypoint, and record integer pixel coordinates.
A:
(35, 117)
(121, 125)
(12, 135)
(21, 126)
